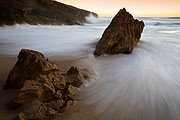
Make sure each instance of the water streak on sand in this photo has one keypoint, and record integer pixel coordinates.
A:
(144, 85)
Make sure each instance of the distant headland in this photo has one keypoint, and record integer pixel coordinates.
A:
(35, 12)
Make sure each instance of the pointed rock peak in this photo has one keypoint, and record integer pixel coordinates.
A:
(73, 70)
(124, 9)
(24, 53)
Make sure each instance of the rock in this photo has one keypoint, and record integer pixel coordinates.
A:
(59, 82)
(70, 104)
(43, 113)
(22, 116)
(121, 36)
(73, 71)
(31, 65)
(48, 93)
(26, 11)
(38, 78)
(72, 91)
(74, 77)
(29, 91)
(58, 94)
(46, 111)
(55, 105)
(77, 77)
(41, 12)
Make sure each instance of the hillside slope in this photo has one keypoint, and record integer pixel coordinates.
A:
(40, 12)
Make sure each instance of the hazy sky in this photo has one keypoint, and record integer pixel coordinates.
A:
(136, 7)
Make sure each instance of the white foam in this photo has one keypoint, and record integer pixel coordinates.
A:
(91, 18)
(169, 32)
(48, 39)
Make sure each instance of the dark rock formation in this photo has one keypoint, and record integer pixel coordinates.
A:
(40, 12)
(121, 36)
(74, 77)
(38, 78)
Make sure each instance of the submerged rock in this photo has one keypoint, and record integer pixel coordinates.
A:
(38, 78)
(121, 36)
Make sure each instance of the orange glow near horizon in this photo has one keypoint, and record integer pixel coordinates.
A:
(137, 8)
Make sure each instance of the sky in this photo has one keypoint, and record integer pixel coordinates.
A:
(136, 7)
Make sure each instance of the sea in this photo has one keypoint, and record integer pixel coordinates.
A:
(143, 85)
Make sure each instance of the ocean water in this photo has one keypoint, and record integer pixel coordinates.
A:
(143, 85)
(52, 40)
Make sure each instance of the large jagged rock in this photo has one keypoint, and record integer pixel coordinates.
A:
(31, 65)
(121, 36)
(40, 12)
(38, 78)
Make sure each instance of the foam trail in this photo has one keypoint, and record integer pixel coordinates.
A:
(141, 86)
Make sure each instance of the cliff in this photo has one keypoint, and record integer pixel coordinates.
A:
(40, 12)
